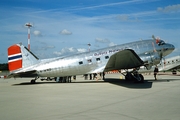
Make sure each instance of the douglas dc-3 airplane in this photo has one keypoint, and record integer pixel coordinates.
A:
(23, 63)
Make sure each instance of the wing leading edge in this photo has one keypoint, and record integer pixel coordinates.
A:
(125, 59)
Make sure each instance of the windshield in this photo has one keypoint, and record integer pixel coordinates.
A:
(160, 42)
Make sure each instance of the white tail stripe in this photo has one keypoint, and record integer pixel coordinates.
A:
(14, 60)
(14, 55)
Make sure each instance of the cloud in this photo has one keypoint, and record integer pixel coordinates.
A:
(127, 18)
(112, 44)
(113, 4)
(170, 8)
(102, 40)
(86, 27)
(41, 46)
(122, 17)
(81, 50)
(48, 47)
(108, 42)
(37, 33)
(65, 32)
(69, 51)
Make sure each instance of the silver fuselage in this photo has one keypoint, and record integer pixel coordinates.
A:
(95, 61)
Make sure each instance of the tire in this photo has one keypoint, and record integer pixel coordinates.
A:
(33, 81)
(126, 78)
(142, 78)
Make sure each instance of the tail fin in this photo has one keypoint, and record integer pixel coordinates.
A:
(20, 57)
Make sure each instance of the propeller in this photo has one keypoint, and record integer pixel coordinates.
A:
(153, 37)
(89, 46)
(156, 38)
(163, 60)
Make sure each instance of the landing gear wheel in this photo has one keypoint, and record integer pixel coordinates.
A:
(127, 78)
(142, 78)
(33, 81)
(139, 79)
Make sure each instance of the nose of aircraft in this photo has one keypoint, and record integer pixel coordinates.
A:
(169, 48)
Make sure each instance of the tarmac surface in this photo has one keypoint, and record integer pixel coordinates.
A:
(114, 99)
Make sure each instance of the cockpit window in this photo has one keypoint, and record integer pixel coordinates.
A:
(160, 42)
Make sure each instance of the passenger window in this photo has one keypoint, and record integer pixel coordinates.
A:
(106, 57)
(81, 62)
(89, 61)
(97, 59)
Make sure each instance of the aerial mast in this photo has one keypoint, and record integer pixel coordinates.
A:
(29, 25)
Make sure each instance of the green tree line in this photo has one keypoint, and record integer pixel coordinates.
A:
(3, 66)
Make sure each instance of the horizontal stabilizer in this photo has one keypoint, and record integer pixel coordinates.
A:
(126, 59)
(24, 74)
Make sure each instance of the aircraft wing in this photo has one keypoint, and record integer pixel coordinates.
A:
(170, 64)
(126, 59)
(31, 73)
(171, 67)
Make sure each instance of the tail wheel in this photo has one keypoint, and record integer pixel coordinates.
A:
(33, 81)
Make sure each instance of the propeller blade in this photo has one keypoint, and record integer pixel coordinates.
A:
(154, 47)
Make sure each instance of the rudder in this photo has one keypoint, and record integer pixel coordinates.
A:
(14, 57)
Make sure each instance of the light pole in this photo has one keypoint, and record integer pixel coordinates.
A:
(29, 25)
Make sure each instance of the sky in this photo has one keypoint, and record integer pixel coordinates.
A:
(63, 27)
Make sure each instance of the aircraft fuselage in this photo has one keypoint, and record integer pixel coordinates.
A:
(94, 61)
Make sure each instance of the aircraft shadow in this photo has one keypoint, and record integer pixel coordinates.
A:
(165, 80)
(116, 81)
(123, 83)
(54, 82)
(37, 83)
(129, 83)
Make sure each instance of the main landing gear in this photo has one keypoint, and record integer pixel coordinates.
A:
(33, 81)
(134, 75)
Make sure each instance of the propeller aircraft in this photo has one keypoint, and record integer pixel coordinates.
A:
(23, 63)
